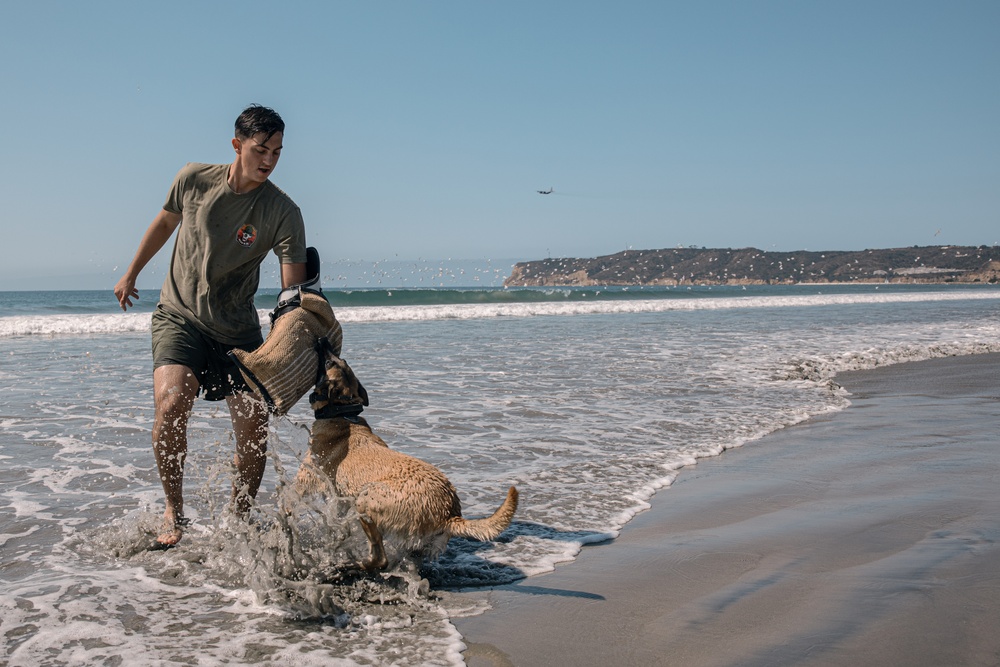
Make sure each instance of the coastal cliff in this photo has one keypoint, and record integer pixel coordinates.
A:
(750, 266)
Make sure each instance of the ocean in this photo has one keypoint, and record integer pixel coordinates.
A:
(588, 400)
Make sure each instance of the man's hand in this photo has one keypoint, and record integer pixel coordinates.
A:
(125, 291)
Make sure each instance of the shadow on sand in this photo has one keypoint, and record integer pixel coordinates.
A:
(463, 566)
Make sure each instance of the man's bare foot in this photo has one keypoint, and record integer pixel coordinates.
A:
(172, 531)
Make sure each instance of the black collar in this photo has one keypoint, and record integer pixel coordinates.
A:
(348, 412)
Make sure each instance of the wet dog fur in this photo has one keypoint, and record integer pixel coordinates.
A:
(399, 498)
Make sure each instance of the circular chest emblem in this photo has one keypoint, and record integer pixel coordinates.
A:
(246, 235)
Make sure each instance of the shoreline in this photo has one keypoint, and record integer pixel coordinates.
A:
(868, 536)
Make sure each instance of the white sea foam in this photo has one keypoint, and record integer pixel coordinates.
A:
(67, 325)
(478, 311)
(122, 323)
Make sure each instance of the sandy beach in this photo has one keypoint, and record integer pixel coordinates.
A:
(868, 537)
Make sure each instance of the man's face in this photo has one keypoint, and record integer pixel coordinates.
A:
(258, 157)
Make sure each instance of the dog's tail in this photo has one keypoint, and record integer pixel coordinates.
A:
(489, 528)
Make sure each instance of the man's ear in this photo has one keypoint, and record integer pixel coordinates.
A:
(237, 145)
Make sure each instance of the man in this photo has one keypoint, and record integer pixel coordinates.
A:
(230, 216)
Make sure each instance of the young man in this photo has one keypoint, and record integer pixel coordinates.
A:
(229, 218)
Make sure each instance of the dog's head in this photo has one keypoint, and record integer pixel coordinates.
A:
(337, 385)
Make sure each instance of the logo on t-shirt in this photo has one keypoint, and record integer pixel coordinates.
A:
(246, 235)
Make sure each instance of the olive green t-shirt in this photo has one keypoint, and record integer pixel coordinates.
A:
(221, 241)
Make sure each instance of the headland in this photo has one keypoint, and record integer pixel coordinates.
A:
(750, 266)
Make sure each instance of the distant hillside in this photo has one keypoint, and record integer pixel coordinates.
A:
(749, 266)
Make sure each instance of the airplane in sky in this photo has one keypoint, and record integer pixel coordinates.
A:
(544, 192)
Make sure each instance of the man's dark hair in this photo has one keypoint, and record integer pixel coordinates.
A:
(256, 119)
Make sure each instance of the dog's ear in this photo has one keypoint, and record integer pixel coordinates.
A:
(333, 361)
(363, 393)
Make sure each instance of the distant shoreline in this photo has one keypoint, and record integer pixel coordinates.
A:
(750, 266)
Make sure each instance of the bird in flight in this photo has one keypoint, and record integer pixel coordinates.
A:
(544, 192)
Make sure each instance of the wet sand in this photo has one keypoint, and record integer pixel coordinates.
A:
(868, 537)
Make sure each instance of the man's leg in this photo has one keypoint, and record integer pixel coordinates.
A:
(250, 427)
(174, 390)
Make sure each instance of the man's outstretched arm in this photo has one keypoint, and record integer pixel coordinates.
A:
(156, 236)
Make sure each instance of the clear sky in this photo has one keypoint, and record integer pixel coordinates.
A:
(423, 129)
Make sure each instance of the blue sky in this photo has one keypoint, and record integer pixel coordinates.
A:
(423, 129)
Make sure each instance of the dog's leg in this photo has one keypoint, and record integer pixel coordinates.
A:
(307, 480)
(376, 554)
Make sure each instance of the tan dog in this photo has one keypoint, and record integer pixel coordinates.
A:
(408, 501)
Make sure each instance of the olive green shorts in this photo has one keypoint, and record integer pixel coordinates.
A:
(177, 341)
